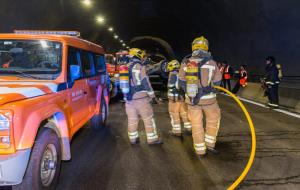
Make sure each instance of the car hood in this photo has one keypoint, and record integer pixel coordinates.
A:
(14, 91)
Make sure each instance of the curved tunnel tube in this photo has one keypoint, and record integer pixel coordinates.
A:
(253, 139)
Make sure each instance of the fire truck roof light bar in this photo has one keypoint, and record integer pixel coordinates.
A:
(47, 32)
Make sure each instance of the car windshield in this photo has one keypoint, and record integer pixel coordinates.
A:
(37, 59)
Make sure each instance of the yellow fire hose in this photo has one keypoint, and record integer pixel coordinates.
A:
(253, 139)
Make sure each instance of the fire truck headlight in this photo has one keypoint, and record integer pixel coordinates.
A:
(4, 122)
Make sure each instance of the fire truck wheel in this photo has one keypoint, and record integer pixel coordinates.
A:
(98, 121)
(44, 164)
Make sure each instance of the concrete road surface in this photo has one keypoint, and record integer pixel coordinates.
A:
(106, 160)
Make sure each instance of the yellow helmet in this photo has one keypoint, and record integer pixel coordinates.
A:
(172, 65)
(136, 52)
(200, 43)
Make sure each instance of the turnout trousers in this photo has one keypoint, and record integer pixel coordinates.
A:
(178, 111)
(227, 84)
(135, 110)
(204, 138)
(273, 95)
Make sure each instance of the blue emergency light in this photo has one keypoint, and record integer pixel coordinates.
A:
(43, 32)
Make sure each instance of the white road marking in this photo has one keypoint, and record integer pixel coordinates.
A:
(262, 105)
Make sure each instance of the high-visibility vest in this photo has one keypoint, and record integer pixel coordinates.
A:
(227, 75)
(244, 77)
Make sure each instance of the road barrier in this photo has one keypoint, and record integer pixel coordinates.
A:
(288, 96)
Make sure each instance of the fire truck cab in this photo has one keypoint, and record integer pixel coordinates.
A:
(113, 65)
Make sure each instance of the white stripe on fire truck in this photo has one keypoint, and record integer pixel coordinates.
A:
(51, 86)
(27, 92)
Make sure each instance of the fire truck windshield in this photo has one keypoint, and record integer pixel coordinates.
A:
(38, 59)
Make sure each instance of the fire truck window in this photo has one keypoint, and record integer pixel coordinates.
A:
(92, 64)
(85, 61)
(100, 64)
(73, 59)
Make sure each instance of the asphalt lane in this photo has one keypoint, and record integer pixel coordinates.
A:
(106, 160)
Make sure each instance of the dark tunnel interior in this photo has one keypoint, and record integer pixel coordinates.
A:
(241, 32)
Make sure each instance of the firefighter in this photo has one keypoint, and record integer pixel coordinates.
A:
(197, 76)
(272, 82)
(138, 96)
(227, 73)
(177, 105)
(242, 80)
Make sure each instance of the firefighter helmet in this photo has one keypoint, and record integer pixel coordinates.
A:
(136, 52)
(200, 43)
(172, 65)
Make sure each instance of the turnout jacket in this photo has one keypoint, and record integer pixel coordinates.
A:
(175, 93)
(209, 75)
(271, 75)
(140, 85)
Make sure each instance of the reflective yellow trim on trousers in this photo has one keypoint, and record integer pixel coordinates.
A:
(253, 140)
(178, 127)
(200, 146)
(210, 139)
(187, 125)
(133, 135)
(151, 136)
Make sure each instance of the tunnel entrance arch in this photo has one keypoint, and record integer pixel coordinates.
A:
(154, 45)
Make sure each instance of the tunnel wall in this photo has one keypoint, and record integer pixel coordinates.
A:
(246, 32)
(240, 31)
(288, 97)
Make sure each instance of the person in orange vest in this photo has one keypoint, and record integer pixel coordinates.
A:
(221, 68)
(242, 81)
(227, 75)
(7, 60)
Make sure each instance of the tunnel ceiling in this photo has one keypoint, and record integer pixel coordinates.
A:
(242, 32)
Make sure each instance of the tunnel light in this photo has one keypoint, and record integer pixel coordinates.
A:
(100, 19)
(121, 41)
(87, 3)
(111, 29)
(123, 44)
(116, 36)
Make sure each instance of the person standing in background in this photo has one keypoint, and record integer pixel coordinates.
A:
(242, 80)
(227, 75)
(272, 82)
(221, 68)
